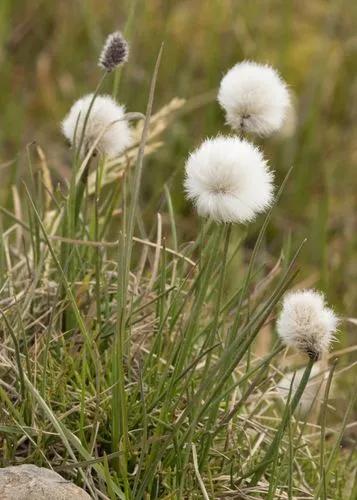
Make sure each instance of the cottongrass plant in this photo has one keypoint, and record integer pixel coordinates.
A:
(97, 123)
(254, 97)
(229, 180)
(128, 360)
(114, 53)
(306, 323)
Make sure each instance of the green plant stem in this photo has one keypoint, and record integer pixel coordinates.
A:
(274, 447)
(120, 435)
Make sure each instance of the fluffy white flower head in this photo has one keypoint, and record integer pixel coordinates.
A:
(312, 392)
(306, 323)
(105, 120)
(254, 97)
(228, 180)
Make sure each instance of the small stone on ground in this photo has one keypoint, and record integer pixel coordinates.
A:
(29, 482)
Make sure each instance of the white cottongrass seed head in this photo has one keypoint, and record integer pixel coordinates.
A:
(228, 180)
(254, 97)
(312, 391)
(114, 53)
(105, 120)
(306, 323)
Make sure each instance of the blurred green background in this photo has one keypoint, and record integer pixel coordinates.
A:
(48, 54)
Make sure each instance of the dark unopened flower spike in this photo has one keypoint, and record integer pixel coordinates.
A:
(115, 52)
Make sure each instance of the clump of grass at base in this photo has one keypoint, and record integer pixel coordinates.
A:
(126, 364)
